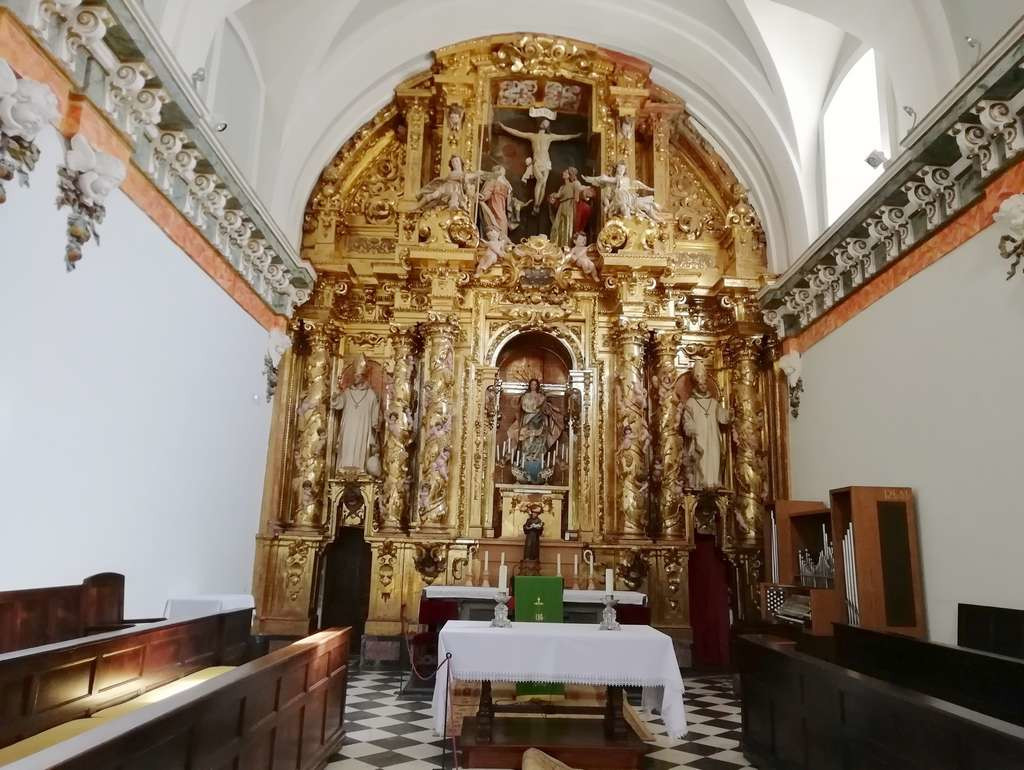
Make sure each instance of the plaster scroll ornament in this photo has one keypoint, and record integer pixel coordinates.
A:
(791, 366)
(493, 249)
(581, 256)
(622, 196)
(26, 107)
(86, 180)
(540, 142)
(277, 343)
(704, 416)
(358, 443)
(1011, 245)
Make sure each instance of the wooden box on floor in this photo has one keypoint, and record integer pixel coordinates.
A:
(887, 557)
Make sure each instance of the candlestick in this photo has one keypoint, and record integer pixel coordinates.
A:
(608, 620)
(558, 564)
(501, 610)
(503, 578)
(609, 582)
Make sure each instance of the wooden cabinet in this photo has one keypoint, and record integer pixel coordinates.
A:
(884, 578)
(800, 525)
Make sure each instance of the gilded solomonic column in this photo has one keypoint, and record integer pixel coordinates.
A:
(398, 432)
(669, 437)
(744, 356)
(633, 434)
(313, 413)
(436, 424)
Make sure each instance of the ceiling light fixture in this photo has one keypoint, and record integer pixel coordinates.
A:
(974, 43)
(912, 114)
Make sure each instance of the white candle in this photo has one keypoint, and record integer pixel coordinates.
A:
(502, 559)
(487, 564)
(609, 581)
(558, 564)
(575, 564)
(503, 578)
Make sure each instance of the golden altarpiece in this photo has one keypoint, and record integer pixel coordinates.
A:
(523, 261)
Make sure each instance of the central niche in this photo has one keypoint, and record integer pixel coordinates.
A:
(532, 427)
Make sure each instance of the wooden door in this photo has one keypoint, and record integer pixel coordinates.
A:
(346, 590)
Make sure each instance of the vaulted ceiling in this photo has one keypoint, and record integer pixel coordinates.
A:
(755, 74)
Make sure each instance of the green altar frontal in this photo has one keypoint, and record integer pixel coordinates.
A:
(538, 600)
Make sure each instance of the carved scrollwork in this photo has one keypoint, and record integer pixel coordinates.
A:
(537, 55)
(632, 568)
(430, 560)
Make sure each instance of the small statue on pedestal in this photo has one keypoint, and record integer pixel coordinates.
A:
(533, 528)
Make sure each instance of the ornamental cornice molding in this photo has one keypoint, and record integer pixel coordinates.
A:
(146, 95)
(972, 135)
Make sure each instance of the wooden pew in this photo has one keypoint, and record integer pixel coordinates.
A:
(981, 681)
(802, 712)
(46, 686)
(282, 710)
(36, 616)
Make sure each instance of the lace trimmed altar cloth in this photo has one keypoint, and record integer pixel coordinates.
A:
(573, 653)
(569, 595)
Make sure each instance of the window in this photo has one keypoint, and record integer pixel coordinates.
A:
(851, 129)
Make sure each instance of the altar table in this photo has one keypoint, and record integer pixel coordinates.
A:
(570, 653)
(569, 595)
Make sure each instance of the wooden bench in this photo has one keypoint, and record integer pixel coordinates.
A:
(120, 699)
(800, 711)
(43, 687)
(36, 616)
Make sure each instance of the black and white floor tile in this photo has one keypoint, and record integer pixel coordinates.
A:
(383, 731)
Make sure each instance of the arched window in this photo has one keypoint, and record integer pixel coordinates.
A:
(851, 130)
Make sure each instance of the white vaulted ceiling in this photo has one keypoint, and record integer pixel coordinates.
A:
(754, 73)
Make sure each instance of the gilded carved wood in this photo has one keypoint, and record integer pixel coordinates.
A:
(671, 256)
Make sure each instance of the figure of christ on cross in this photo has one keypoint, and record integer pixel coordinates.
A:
(540, 141)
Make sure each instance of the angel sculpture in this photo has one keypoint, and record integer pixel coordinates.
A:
(623, 198)
(494, 247)
(447, 191)
(579, 255)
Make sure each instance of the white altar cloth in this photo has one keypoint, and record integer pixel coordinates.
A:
(571, 653)
(568, 595)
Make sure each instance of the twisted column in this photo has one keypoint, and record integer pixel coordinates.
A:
(313, 412)
(744, 355)
(669, 437)
(398, 433)
(633, 434)
(436, 425)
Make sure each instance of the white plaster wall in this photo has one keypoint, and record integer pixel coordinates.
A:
(130, 438)
(923, 389)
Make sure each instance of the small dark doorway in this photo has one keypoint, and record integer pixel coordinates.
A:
(346, 591)
(709, 604)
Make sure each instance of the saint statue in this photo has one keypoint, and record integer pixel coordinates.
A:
(623, 197)
(447, 191)
(565, 208)
(703, 416)
(533, 529)
(540, 141)
(534, 433)
(359, 405)
(499, 210)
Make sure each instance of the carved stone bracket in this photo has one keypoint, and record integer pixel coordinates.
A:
(87, 177)
(1011, 244)
(951, 158)
(26, 107)
(430, 560)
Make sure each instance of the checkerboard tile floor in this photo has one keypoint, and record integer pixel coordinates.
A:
(383, 731)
